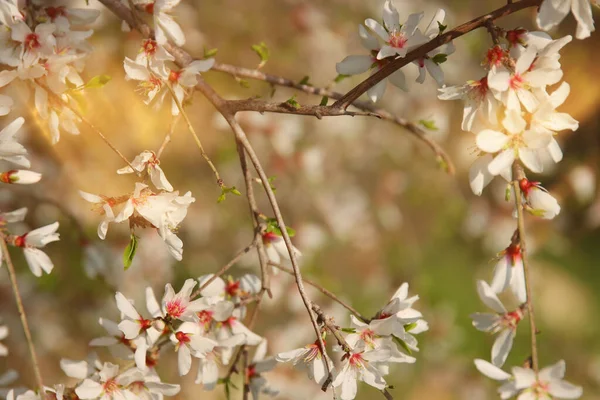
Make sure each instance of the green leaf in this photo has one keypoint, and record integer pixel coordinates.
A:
(441, 27)
(243, 83)
(410, 326)
(273, 227)
(428, 124)
(324, 101)
(271, 180)
(349, 330)
(402, 344)
(340, 78)
(305, 81)
(226, 190)
(96, 82)
(210, 52)
(292, 102)
(129, 252)
(507, 193)
(440, 58)
(263, 52)
(442, 163)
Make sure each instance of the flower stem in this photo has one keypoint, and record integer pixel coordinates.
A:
(519, 174)
(195, 136)
(22, 315)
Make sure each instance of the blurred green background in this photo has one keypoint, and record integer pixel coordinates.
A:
(369, 203)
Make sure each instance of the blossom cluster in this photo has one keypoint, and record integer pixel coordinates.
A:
(369, 347)
(163, 210)
(396, 39)
(46, 47)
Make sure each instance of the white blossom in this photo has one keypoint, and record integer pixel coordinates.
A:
(10, 149)
(552, 12)
(147, 161)
(31, 243)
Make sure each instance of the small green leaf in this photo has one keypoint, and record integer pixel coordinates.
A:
(97, 82)
(428, 124)
(129, 252)
(507, 193)
(243, 83)
(340, 78)
(273, 227)
(349, 330)
(440, 58)
(292, 102)
(410, 326)
(402, 344)
(324, 101)
(442, 163)
(210, 52)
(305, 81)
(263, 52)
(441, 27)
(291, 232)
(225, 191)
(537, 212)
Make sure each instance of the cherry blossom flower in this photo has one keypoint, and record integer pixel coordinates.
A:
(189, 342)
(147, 386)
(552, 12)
(399, 38)
(150, 84)
(31, 243)
(276, 248)
(309, 357)
(511, 141)
(20, 177)
(153, 56)
(179, 305)
(108, 385)
(229, 288)
(549, 384)
(58, 117)
(116, 342)
(259, 365)
(502, 322)
(431, 63)
(509, 272)
(523, 382)
(10, 13)
(357, 64)
(164, 25)
(10, 149)
(358, 366)
(104, 205)
(480, 103)
(208, 367)
(35, 44)
(147, 161)
(185, 78)
(541, 202)
(17, 215)
(133, 324)
(397, 315)
(233, 326)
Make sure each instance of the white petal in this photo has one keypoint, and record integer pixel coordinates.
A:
(491, 371)
(491, 141)
(502, 346)
(489, 298)
(354, 65)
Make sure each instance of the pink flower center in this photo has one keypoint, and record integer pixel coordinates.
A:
(55, 12)
(251, 371)
(494, 56)
(32, 41)
(145, 324)
(515, 36)
(174, 76)
(512, 319)
(516, 81)
(175, 308)
(514, 253)
(149, 8)
(19, 241)
(356, 360)
(205, 317)
(5, 177)
(232, 288)
(367, 335)
(397, 39)
(182, 337)
(149, 46)
(540, 388)
(110, 386)
(269, 237)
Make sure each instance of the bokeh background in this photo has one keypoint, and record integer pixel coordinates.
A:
(371, 207)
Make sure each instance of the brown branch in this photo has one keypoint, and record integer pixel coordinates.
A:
(319, 111)
(324, 291)
(13, 282)
(225, 268)
(265, 277)
(433, 44)
(519, 174)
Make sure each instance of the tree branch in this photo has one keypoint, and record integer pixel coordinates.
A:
(433, 44)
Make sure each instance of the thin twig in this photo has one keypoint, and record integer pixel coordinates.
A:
(518, 175)
(335, 331)
(194, 135)
(13, 282)
(168, 136)
(85, 121)
(224, 268)
(324, 291)
(246, 377)
(265, 276)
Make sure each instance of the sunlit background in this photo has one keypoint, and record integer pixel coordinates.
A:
(370, 205)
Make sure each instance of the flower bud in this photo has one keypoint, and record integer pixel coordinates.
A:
(19, 176)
